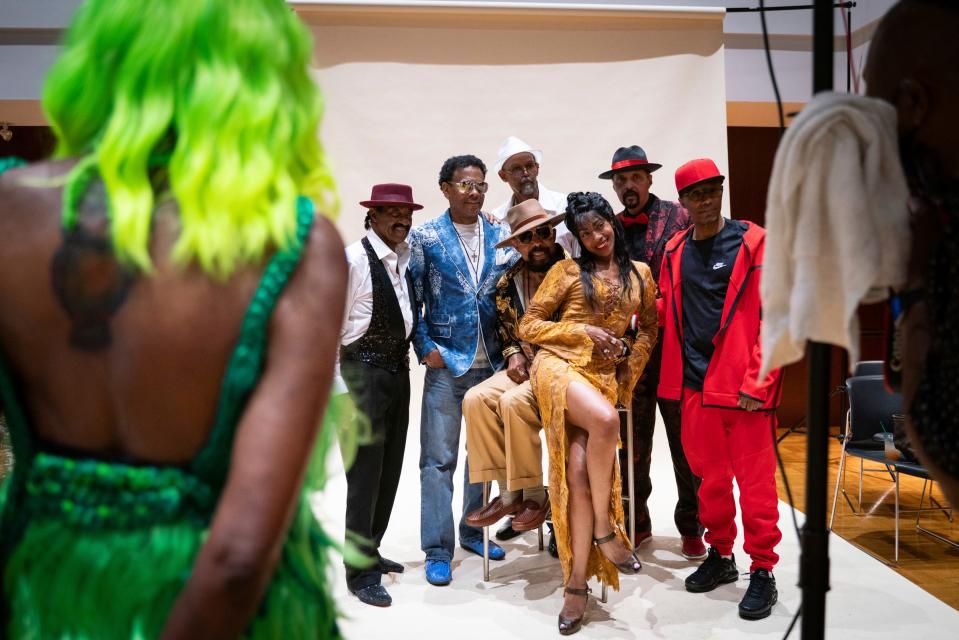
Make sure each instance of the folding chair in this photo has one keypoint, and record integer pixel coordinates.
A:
(871, 408)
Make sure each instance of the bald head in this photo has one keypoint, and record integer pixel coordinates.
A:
(914, 64)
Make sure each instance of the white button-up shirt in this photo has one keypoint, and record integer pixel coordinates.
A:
(359, 293)
(553, 202)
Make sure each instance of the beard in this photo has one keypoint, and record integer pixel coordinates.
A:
(541, 267)
(527, 189)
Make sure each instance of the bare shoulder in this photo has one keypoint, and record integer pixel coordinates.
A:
(28, 188)
(321, 275)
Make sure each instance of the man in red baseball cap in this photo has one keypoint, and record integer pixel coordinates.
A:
(648, 223)
(374, 365)
(711, 313)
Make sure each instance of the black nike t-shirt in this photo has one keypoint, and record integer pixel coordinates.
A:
(706, 267)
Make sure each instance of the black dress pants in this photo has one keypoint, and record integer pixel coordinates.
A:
(686, 514)
(372, 479)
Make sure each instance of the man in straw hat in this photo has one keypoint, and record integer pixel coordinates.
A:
(648, 223)
(502, 421)
(711, 315)
(374, 364)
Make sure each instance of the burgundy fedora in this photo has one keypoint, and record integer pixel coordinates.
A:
(391, 194)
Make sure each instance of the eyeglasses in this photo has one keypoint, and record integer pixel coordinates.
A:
(466, 185)
(519, 170)
(703, 193)
(542, 232)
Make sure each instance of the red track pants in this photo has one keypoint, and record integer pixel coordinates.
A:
(721, 444)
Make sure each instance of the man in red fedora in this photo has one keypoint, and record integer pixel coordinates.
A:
(502, 419)
(648, 223)
(374, 364)
(711, 313)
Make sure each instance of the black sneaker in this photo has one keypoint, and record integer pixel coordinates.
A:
(760, 596)
(507, 532)
(714, 571)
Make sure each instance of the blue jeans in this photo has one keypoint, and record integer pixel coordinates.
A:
(440, 427)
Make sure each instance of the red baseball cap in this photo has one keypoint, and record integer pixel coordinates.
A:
(696, 171)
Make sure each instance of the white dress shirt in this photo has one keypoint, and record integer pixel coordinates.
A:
(359, 293)
(553, 202)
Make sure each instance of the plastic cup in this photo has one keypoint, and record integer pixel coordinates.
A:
(889, 446)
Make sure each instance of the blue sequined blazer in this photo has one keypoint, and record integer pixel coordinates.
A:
(452, 308)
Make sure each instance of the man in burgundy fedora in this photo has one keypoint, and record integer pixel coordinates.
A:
(648, 223)
(374, 364)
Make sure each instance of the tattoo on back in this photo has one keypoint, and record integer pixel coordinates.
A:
(89, 282)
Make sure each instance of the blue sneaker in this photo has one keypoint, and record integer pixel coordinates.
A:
(476, 546)
(438, 572)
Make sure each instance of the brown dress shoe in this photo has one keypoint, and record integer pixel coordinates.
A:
(531, 515)
(491, 513)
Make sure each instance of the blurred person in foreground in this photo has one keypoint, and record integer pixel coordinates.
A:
(169, 316)
(923, 86)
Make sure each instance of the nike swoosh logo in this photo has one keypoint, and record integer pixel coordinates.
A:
(719, 265)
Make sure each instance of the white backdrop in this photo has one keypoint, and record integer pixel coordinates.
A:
(407, 88)
(405, 92)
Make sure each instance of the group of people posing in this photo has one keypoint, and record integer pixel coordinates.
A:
(552, 312)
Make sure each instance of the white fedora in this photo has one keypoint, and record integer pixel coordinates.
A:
(510, 147)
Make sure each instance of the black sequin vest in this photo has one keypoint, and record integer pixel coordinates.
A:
(385, 343)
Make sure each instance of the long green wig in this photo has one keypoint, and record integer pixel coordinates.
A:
(218, 93)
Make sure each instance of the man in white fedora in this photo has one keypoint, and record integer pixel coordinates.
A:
(518, 166)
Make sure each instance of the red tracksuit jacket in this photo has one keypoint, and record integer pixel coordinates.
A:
(734, 366)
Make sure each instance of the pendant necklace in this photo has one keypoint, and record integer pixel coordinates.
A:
(472, 253)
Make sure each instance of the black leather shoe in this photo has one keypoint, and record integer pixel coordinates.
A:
(374, 595)
(507, 532)
(714, 571)
(551, 547)
(760, 596)
(388, 566)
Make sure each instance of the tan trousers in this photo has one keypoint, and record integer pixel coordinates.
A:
(502, 433)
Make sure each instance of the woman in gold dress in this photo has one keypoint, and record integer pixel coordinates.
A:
(585, 365)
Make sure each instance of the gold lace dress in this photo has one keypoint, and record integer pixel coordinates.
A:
(556, 321)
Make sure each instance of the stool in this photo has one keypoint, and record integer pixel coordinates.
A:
(626, 422)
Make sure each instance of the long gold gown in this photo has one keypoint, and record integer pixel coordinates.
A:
(556, 321)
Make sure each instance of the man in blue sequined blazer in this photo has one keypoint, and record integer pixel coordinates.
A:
(455, 267)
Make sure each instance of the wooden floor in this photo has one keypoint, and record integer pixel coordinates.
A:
(931, 564)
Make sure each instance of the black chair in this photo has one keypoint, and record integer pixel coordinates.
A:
(871, 408)
(867, 368)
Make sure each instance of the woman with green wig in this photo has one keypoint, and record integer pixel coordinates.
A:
(169, 313)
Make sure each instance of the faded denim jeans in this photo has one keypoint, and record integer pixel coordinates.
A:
(440, 428)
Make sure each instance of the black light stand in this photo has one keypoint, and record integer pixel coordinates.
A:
(814, 560)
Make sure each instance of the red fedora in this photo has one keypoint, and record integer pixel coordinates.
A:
(696, 171)
(391, 194)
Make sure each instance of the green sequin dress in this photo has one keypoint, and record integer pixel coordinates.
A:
(100, 550)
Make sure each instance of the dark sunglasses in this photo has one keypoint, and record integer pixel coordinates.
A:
(543, 232)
